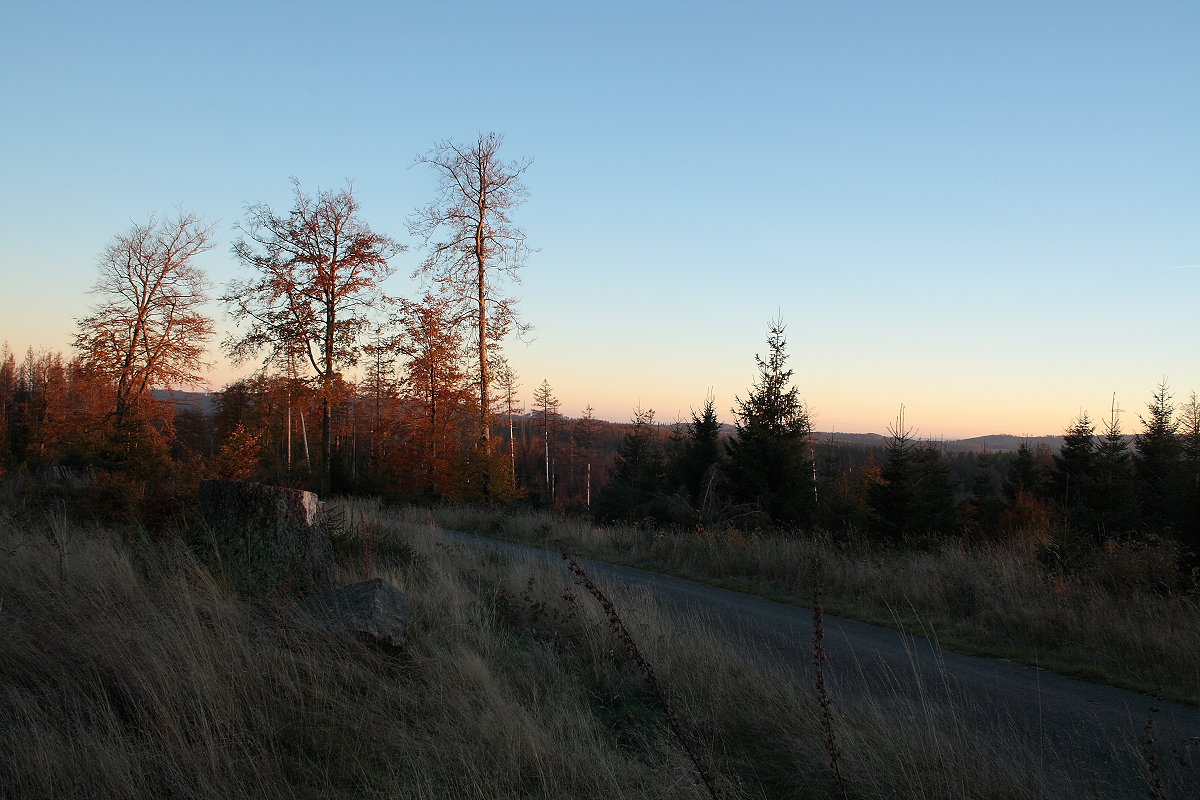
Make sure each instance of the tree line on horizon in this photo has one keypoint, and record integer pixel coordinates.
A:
(436, 413)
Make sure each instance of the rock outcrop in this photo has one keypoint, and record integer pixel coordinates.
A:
(375, 610)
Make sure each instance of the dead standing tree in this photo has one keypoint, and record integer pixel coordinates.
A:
(319, 272)
(510, 404)
(149, 330)
(476, 246)
(546, 410)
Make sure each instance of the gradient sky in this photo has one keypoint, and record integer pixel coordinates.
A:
(989, 212)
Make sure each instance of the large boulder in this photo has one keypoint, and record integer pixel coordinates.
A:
(262, 539)
(374, 610)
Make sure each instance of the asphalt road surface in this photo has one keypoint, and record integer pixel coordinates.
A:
(1090, 732)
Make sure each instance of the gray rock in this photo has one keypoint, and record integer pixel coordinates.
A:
(261, 539)
(374, 609)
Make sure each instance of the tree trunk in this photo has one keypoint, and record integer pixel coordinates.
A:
(512, 449)
(326, 446)
(304, 433)
(289, 432)
(327, 387)
(484, 428)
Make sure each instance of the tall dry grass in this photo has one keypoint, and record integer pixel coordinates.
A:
(125, 671)
(1108, 623)
(132, 674)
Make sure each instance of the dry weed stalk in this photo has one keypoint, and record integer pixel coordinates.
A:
(831, 746)
(365, 530)
(1154, 783)
(690, 745)
(56, 517)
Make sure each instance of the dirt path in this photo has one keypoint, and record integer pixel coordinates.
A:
(1095, 733)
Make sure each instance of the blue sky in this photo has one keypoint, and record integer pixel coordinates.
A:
(989, 212)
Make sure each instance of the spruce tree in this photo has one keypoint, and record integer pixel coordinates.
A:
(637, 472)
(639, 459)
(769, 462)
(1113, 487)
(1023, 476)
(891, 499)
(933, 492)
(982, 509)
(1074, 472)
(699, 453)
(1158, 463)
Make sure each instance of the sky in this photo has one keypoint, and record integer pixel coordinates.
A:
(986, 212)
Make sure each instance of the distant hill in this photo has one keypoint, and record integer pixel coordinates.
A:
(1002, 442)
(197, 401)
(995, 443)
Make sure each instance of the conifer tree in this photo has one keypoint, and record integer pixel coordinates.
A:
(638, 462)
(637, 472)
(1074, 472)
(1157, 463)
(933, 491)
(891, 497)
(699, 453)
(769, 460)
(1113, 482)
(982, 509)
(1023, 476)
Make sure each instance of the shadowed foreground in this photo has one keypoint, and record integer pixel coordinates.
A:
(129, 672)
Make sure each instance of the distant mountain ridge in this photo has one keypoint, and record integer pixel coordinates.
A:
(992, 443)
(205, 403)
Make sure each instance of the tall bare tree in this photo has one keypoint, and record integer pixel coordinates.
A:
(586, 433)
(545, 409)
(319, 271)
(510, 405)
(473, 243)
(148, 329)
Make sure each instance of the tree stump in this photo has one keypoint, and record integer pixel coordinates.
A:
(260, 539)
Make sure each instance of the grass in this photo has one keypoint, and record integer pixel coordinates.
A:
(127, 671)
(1105, 625)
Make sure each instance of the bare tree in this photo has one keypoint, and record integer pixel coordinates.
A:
(586, 433)
(476, 246)
(507, 383)
(148, 329)
(545, 407)
(319, 273)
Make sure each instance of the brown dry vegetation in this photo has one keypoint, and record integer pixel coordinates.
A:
(1111, 622)
(127, 671)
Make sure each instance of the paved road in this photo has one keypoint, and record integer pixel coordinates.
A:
(1091, 731)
